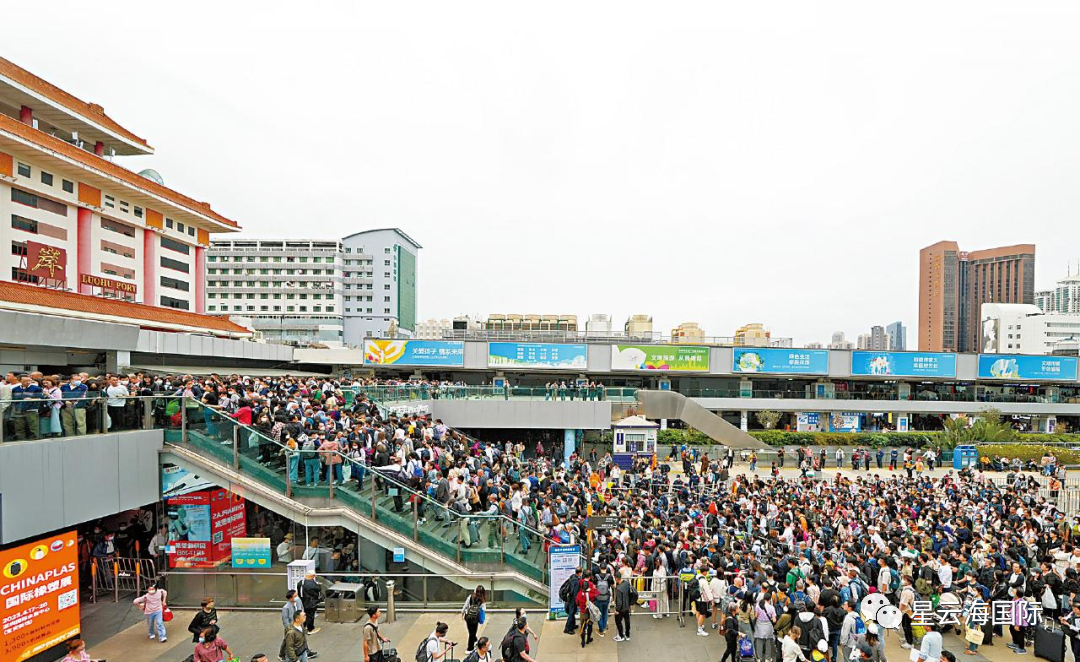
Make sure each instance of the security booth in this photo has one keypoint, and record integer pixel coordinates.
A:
(633, 436)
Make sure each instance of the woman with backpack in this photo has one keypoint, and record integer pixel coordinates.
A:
(472, 612)
(764, 634)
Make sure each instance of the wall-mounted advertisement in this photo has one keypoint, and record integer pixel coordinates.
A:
(1016, 366)
(39, 583)
(544, 356)
(251, 552)
(781, 361)
(670, 358)
(450, 353)
(202, 526)
(845, 422)
(903, 364)
(176, 481)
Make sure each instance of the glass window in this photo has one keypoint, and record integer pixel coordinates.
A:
(24, 170)
(170, 263)
(67, 185)
(46, 178)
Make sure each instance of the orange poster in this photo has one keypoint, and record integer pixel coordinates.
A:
(39, 592)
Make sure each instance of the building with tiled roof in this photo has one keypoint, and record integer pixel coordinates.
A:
(73, 219)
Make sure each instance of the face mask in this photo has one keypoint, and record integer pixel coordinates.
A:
(202, 640)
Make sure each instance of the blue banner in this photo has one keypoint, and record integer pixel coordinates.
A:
(903, 364)
(250, 552)
(1015, 366)
(414, 352)
(547, 356)
(782, 361)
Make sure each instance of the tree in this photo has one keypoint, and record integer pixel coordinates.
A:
(768, 419)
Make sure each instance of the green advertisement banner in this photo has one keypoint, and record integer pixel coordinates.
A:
(670, 358)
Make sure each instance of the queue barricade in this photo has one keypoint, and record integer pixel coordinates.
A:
(122, 575)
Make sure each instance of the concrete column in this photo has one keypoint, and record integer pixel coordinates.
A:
(744, 423)
(149, 268)
(26, 115)
(200, 279)
(569, 445)
(115, 361)
(84, 232)
(99, 148)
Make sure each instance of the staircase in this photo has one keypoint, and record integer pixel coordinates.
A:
(676, 406)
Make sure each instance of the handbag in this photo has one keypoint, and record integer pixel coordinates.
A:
(483, 615)
(594, 611)
(166, 615)
(974, 636)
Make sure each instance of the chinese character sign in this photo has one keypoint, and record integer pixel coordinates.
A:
(672, 358)
(1015, 366)
(40, 592)
(551, 356)
(46, 261)
(903, 364)
(781, 361)
(202, 526)
(414, 352)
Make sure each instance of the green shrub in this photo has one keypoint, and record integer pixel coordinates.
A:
(939, 439)
(1029, 452)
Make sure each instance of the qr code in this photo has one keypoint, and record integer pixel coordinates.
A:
(68, 599)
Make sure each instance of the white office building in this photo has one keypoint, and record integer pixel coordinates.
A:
(1020, 328)
(290, 289)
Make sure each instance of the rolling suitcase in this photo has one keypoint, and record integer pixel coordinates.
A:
(389, 654)
(1049, 643)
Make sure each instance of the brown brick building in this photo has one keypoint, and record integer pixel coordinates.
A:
(954, 284)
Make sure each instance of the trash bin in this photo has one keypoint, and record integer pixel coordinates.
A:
(965, 456)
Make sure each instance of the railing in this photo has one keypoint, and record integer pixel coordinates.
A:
(421, 392)
(474, 540)
(28, 419)
(567, 335)
(344, 592)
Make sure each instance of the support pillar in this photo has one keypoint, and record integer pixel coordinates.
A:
(26, 115)
(744, 420)
(85, 231)
(569, 445)
(149, 268)
(200, 279)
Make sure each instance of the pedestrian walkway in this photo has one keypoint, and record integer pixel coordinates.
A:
(250, 632)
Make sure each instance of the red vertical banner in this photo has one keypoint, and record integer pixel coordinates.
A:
(228, 520)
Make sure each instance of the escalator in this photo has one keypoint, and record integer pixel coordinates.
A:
(220, 449)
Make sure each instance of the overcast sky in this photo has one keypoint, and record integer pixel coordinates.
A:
(722, 163)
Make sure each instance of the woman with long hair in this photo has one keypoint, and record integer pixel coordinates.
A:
(472, 612)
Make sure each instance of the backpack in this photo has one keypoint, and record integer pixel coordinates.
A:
(860, 626)
(812, 633)
(421, 650)
(845, 594)
(567, 590)
(693, 591)
(633, 593)
(507, 648)
(894, 580)
(472, 612)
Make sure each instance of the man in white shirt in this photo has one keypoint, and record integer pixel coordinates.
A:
(117, 395)
(285, 549)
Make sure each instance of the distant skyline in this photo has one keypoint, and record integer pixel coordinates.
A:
(716, 163)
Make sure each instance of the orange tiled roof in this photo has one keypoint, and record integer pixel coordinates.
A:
(90, 111)
(43, 139)
(145, 316)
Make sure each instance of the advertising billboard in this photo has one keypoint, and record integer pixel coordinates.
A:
(781, 361)
(176, 481)
(544, 356)
(39, 588)
(251, 552)
(903, 364)
(672, 358)
(450, 353)
(202, 526)
(1016, 366)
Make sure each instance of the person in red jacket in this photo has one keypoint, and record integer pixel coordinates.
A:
(587, 593)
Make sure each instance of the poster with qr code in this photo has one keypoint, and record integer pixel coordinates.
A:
(39, 594)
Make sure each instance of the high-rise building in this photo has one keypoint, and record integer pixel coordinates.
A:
(1064, 298)
(433, 329)
(752, 335)
(531, 322)
(380, 273)
(815, 345)
(290, 289)
(879, 339)
(840, 342)
(638, 326)
(897, 336)
(862, 341)
(954, 284)
(74, 219)
(688, 332)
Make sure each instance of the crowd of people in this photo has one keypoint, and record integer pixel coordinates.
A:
(776, 565)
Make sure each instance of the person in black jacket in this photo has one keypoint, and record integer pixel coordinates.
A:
(310, 596)
(206, 617)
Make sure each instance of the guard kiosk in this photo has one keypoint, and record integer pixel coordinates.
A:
(633, 436)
